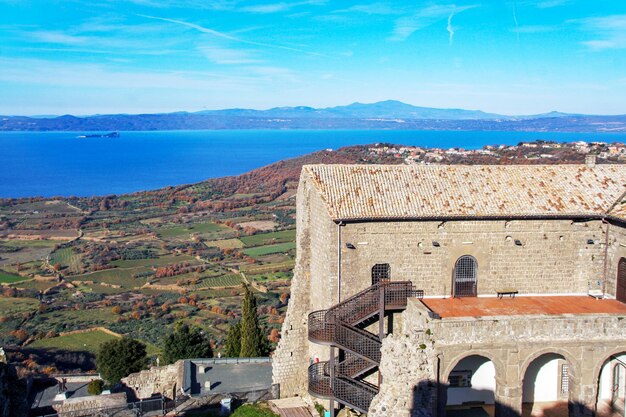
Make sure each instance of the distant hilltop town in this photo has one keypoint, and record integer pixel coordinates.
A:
(532, 152)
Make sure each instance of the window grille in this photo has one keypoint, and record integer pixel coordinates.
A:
(460, 379)
(618, 383)
(381, 272)
(465, 277)
(564, 380)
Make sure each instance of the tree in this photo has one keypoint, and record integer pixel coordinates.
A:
(120, 357)
(185, 343)
(233, 341)
(253, 342)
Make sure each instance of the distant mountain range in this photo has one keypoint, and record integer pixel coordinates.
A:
(388, 114)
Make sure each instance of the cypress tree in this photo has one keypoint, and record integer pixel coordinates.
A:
(252, 343)
(233, 341)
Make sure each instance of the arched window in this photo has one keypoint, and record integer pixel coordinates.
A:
(465, 277)
(380, 272)
(620, 292)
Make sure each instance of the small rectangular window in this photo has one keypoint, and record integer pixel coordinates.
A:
(460, 379)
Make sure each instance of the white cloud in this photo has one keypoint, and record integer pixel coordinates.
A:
(225, 56)
(609, 31)
(547, 4)
(537, 28)
(280, 7)
(373, 9)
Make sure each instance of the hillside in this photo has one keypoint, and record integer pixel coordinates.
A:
(388, 114)
(136, 264)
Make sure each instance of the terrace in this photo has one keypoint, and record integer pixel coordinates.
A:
(567, 350)
(523, 305)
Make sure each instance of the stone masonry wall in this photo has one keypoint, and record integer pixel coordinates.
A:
(554, 256)
(76, 406)
(156, 380)
(615, 251)
(510, 342)
(411, 392)
(292, 357)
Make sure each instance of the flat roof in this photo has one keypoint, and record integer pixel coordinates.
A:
(227, 378)
(521, 305)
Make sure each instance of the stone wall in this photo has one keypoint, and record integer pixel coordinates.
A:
(291, 357)
(554, 256)
(76, 406)
(156, 380)
(434, 346)
(410, 390)
(615, 251)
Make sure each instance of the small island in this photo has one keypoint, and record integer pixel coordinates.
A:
(101, 135)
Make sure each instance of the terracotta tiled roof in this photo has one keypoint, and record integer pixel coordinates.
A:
(357, 192)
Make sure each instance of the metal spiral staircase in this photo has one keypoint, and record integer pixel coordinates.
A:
(343, 327)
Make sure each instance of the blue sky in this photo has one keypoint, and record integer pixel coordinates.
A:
(512, 57)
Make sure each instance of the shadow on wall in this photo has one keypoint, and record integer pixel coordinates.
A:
(425, 393)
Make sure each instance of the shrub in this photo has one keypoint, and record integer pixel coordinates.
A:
(119, 358)
(95, 387)
(185, 343)
(253, 410)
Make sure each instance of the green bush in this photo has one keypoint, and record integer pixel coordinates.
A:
(253, 410)
(320, 409)
(95, 387)
(119, 358)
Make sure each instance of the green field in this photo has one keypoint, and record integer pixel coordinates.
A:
(262, 269)
(7, 278)
(53, 206)
(269, 238)
(160, 261)
(182, 230)
(225, 243)
(115, 276)
(67, 258)
(272, 276)
(89, 341)
(232, 280)
(29, 243)
(269, 249)
(10, 305)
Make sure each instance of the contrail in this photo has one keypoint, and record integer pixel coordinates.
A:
(229, 37)
(449, 28)
(455, 11)
(515, 20)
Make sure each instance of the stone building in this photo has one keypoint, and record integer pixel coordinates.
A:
(426, 290)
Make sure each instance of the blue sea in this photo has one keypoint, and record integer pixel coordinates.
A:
(60, 164)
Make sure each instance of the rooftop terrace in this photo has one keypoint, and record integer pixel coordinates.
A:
(535, 305)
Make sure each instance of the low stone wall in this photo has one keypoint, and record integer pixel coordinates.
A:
(500, 330)
(77, 406)
(156, 380)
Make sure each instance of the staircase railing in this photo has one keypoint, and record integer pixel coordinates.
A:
(337, 326)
